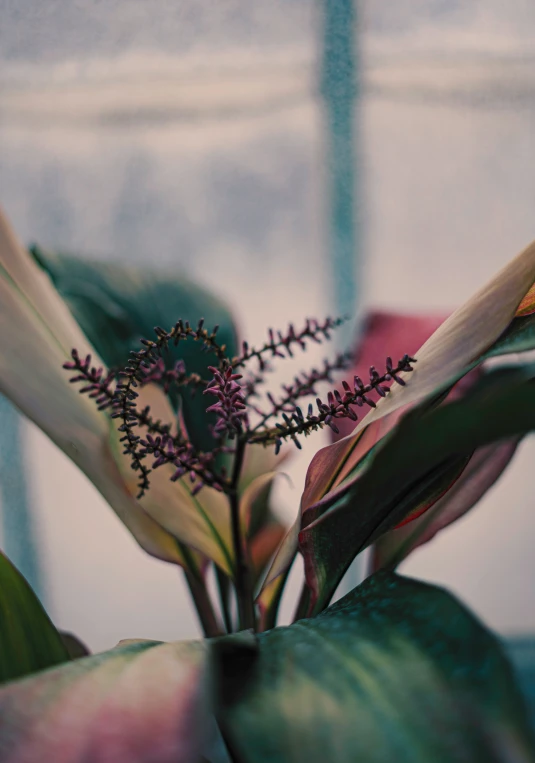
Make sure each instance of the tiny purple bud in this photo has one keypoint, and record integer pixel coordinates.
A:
(399, 380)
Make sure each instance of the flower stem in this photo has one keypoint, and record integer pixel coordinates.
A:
(199, 594)
(223, 585)
(242, 580)
(205, 611)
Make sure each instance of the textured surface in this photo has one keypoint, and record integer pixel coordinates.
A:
(397, 670)
(138, 703)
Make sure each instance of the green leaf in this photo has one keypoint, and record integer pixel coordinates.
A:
(396, 671)
(116, 305)
(345, 458)
(354, 454)
(139, 702)
(483, 469)
(406, 468)
(28, 640)
(519, 337)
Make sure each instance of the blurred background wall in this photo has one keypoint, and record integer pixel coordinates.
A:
(200, 135)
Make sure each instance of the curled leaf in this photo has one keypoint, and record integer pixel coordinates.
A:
(457, 345)
(37, 334)
(200, 521)
(484, 468)
(461, 342)
(409, 465)
(254, 490)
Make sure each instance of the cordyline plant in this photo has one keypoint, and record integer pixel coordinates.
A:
(148, 440)
(177, 431)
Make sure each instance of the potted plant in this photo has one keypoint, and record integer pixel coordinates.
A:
(175, 432)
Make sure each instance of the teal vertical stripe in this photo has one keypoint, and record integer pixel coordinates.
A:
(339, 89)
(18, 528)
(340, 95)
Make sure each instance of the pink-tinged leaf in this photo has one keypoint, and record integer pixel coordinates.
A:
(445, 357)
(316, 499)
(456, 346)
(320, 474)
(139, 703)
(440, 491)
(465, 335)
(418, 460)
(484, 469)
(384, 335)
(384, 330)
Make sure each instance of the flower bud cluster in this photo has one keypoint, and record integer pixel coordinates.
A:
(117, 391)
(338, 405)
(230, 406)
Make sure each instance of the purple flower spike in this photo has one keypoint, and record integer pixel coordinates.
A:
(230, 406)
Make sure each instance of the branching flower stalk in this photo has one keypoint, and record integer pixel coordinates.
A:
(303, 385)
(243, 418)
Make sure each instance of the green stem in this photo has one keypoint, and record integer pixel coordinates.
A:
(223, 586)
(199, 594)
(205, 611)
(242, 578)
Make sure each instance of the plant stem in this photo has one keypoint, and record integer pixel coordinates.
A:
(242, 581)
(223, 585)
(205, 611)
(199, 594)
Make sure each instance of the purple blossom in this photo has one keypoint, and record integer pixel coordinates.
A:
(230, 406)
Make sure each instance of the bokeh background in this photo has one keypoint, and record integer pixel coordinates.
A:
(298, 157)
